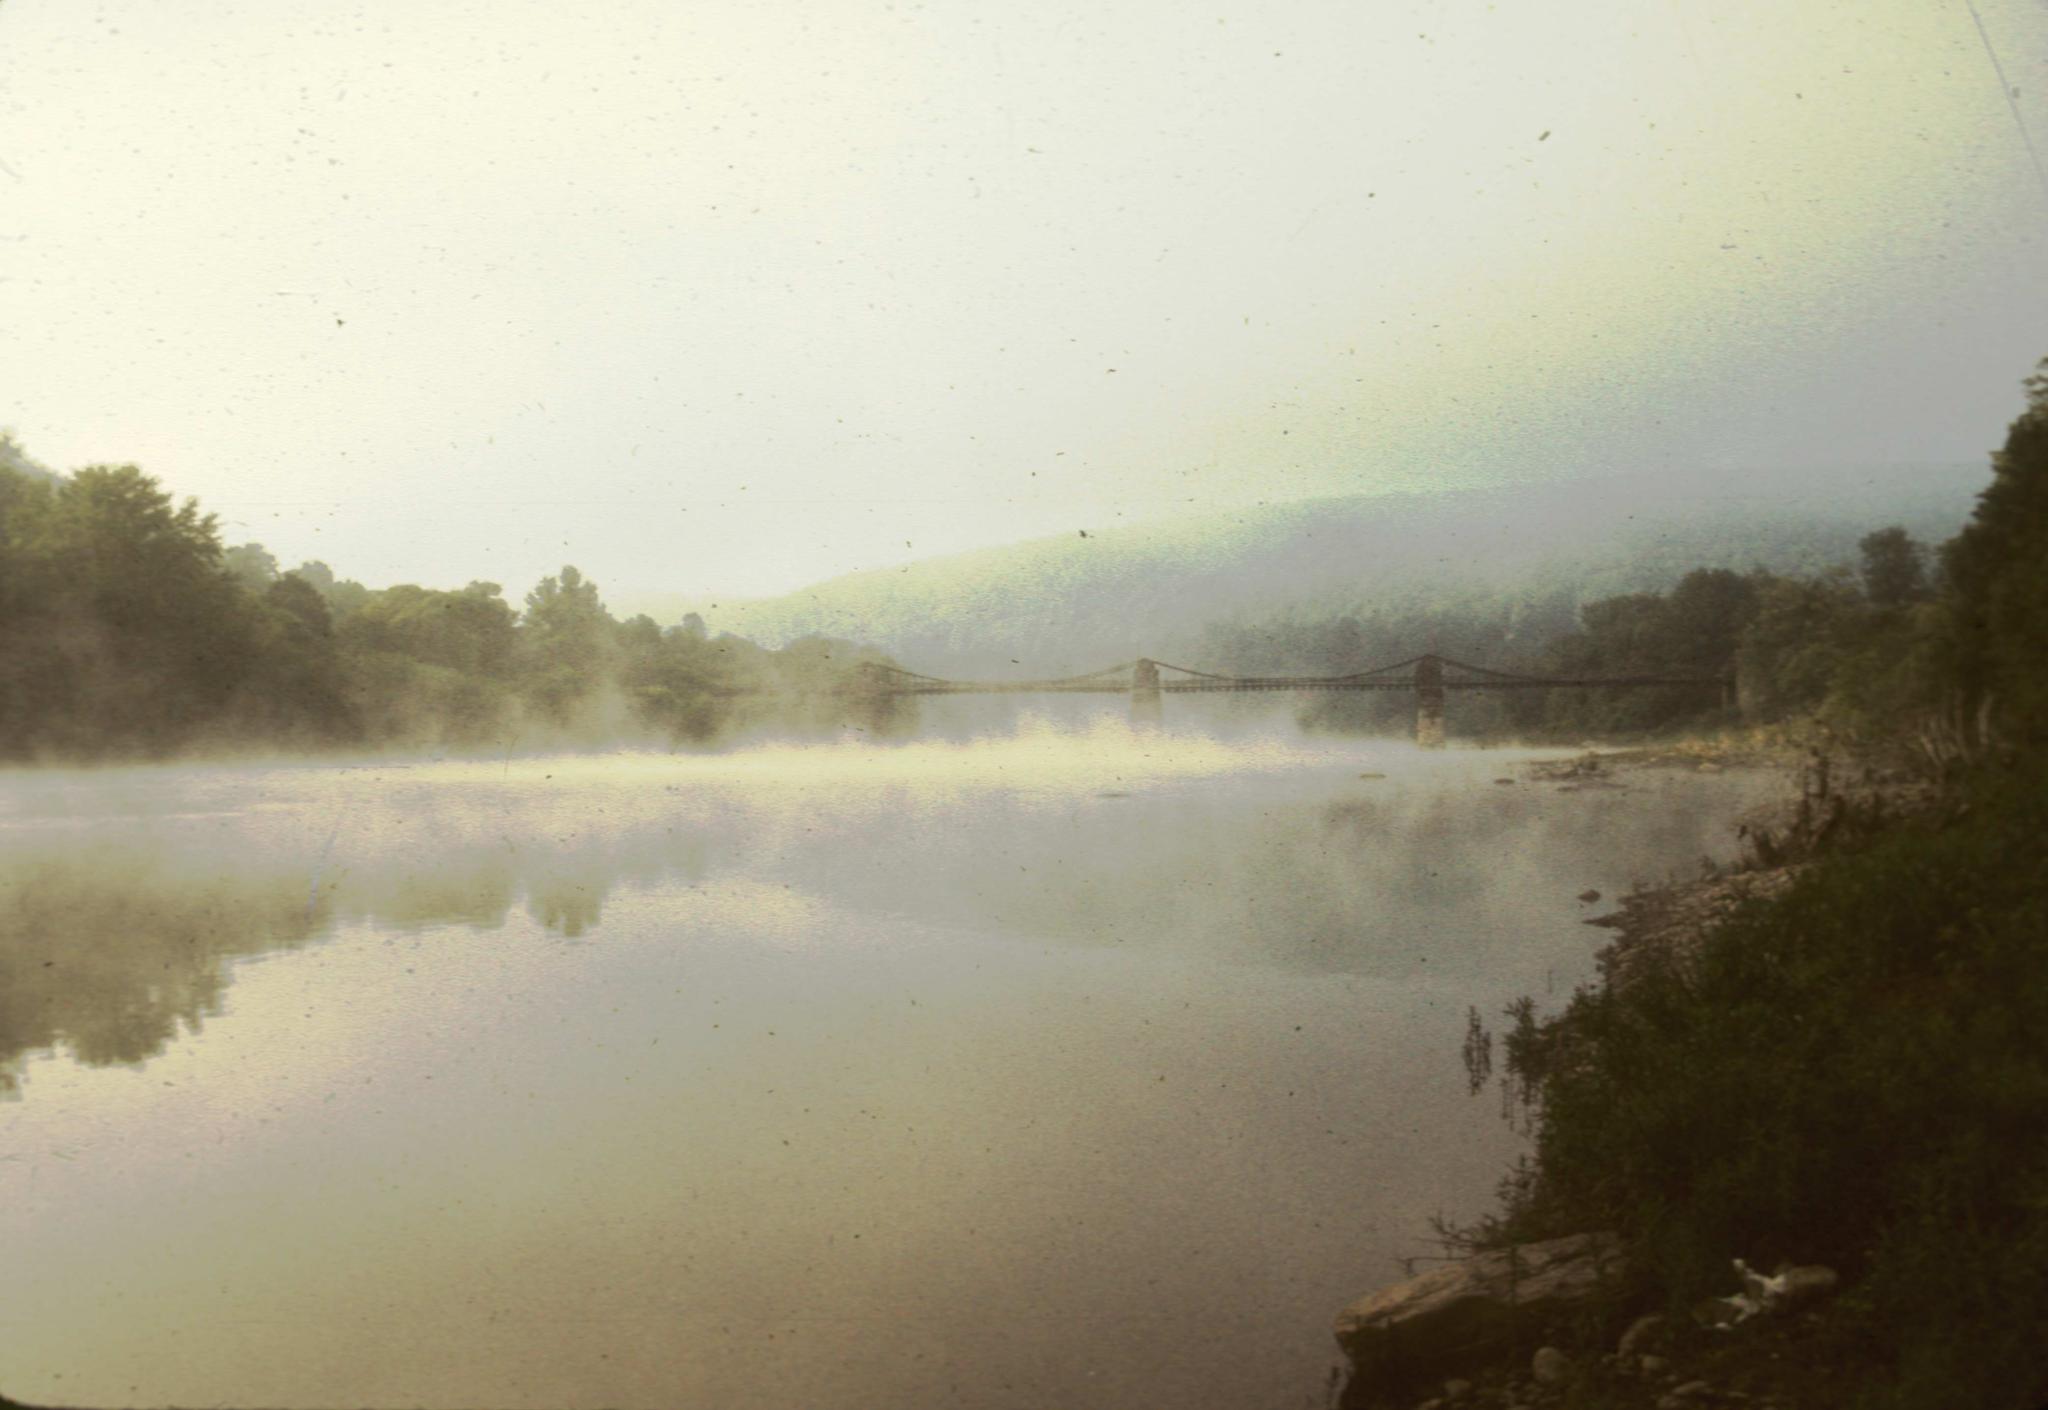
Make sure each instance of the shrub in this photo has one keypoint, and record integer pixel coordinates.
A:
(1852, 1074)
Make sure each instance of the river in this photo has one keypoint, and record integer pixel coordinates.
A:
(1079, 1067)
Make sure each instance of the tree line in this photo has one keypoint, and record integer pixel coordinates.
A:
(1908, 636)
(129, 630)
(1932, 650)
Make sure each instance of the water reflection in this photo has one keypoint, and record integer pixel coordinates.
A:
(1076, 1068)
(114, 942)
(109, 963)
(126, 901)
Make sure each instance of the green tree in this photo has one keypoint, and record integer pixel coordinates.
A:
(1696, 629)
(1997, 569)
(1894, 568)
(1789, 654)
(673, 678)
(565, 645)
(342, 595)
(252, 565)
(1703, 621)
(471, 631)
(297, 691)
(129, 635)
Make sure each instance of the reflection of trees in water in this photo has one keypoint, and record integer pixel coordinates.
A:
(110, 958)
(567, 895)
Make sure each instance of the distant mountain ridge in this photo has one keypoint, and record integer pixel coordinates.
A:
(1074, 603)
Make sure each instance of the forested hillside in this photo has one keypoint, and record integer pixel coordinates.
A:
(1501, 569)
(1848, 648)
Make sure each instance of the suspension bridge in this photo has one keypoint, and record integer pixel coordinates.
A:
(1429, 676)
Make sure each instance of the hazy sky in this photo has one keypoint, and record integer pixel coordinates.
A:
(723, 297)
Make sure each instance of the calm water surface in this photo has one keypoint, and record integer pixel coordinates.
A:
(1068, 1069)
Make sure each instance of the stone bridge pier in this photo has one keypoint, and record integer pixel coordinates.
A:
(1429, 702)
(1148, 707)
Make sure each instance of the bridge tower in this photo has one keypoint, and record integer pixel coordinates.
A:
(1148, 707)
(1429, 702)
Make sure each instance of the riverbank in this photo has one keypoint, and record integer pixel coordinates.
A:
(1819, 1055)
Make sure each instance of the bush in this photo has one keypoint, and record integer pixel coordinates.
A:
(1850, 1074)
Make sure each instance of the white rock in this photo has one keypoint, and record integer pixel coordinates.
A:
(1550, 1367)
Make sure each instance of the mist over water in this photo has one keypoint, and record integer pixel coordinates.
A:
(1062, 1064)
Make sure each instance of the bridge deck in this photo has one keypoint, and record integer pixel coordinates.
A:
(1214, 687)
(1429, 678)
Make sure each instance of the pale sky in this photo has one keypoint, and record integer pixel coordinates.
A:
(721, 298)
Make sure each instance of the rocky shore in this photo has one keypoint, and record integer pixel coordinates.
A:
(1461, 1336)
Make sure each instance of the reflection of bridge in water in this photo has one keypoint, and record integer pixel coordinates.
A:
(1146, 681)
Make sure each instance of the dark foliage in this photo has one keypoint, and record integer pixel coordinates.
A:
(1997, 569)
(128, 631)
(1847, 1075)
